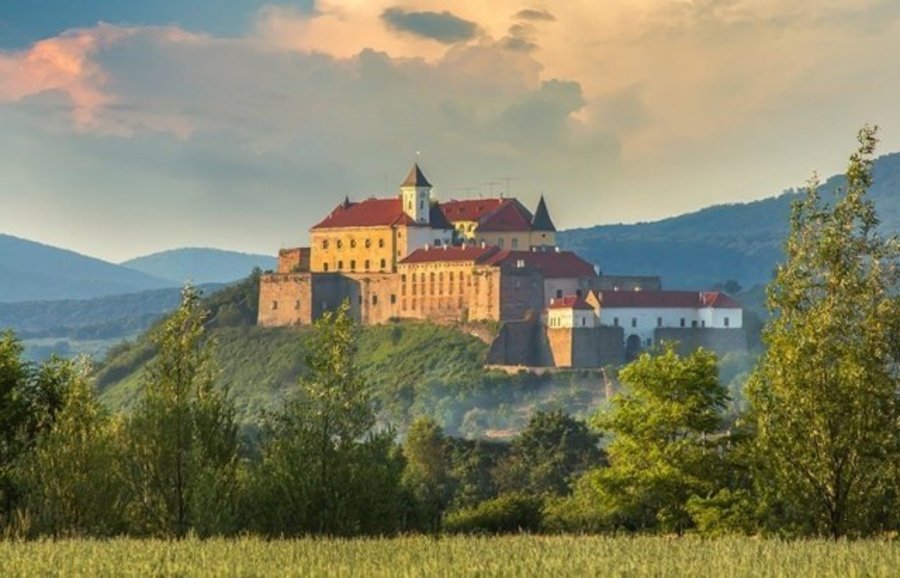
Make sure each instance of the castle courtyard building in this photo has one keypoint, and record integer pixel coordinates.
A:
(413, 257)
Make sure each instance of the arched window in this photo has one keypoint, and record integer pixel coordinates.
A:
(325, 244)
(368, 243)
(367, 264)
(381, 243)
(352, 243)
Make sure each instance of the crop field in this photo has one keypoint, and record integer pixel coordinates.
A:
(453, 556)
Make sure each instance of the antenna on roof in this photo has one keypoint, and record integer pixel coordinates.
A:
(507, 179)
(491, 184)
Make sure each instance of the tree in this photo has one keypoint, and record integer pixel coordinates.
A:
(183, 437)
(324, 469)
(825, 394)
(29, 400)
(664, 449)
(72, 479)
(549, 453)
(426, 475)
(13, 375)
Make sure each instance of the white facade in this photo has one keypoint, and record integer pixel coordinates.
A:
(417, 203)
(420, 237)
(643, 321)
(568, 318)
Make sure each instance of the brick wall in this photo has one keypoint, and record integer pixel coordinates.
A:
(284, 299)
(521, 294)
(294, 260)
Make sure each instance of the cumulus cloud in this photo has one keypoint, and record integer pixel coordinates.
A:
(62, 64)
(441, 26)
(625, 110)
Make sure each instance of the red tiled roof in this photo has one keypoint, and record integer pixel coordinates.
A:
(450, 254)
(469, 210)
(668, 299)
(368, 213)
(552, 265)
(511, 215)
(569, 302)
(377, 213)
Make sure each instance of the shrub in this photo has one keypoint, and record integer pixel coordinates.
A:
(505, 514)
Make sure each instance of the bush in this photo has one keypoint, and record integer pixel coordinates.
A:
(505, 514)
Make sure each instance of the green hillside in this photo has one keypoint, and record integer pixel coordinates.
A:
(737, 241)
(413, 368)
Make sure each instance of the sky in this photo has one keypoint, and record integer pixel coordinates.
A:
(133, 127)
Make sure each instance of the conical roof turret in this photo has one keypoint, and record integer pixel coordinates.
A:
(416, 178)
(541, 220)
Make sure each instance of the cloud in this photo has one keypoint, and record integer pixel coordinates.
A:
(534, 14)
(441, 26)
(62, 64)
(633, 109)
(183, 123)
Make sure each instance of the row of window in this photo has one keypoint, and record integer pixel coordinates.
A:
(557, 322)
(340, 243)
(682, 323)
(367, 265)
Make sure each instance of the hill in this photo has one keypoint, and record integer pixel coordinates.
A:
(200, 265)
(413, 368)
(738, 241)
(90, 326)
(32, 271)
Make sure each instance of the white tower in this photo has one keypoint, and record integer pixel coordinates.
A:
(416, 195)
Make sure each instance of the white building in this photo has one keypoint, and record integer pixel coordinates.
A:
(571, 312)
(641, 313)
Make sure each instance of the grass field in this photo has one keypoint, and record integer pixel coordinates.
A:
(422, 556)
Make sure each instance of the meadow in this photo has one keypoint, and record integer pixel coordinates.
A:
(555, 556)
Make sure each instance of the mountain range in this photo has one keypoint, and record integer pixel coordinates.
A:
(742, 242)
(31, 271)
(200, 265)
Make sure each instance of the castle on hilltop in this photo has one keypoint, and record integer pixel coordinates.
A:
(413, 257)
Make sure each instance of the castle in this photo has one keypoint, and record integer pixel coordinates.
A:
(413, 257)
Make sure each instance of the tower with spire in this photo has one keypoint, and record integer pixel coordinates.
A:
(415, 193)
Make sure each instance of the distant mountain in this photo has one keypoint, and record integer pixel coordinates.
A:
(114, 316)
(200, 265)
(31, 271)
(740, 241)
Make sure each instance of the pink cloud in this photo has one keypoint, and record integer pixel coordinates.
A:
(63, 64)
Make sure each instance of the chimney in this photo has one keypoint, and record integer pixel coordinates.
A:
(445, 246)
(483, 244)
(557, 249)
(427, 247)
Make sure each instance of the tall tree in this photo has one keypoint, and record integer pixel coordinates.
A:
(825, 394)
(426, 475)
(664, 449)
(30, 397)
(183, 437)
(13, 376)
(549, 453)
(324, 469)
(72, 479)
